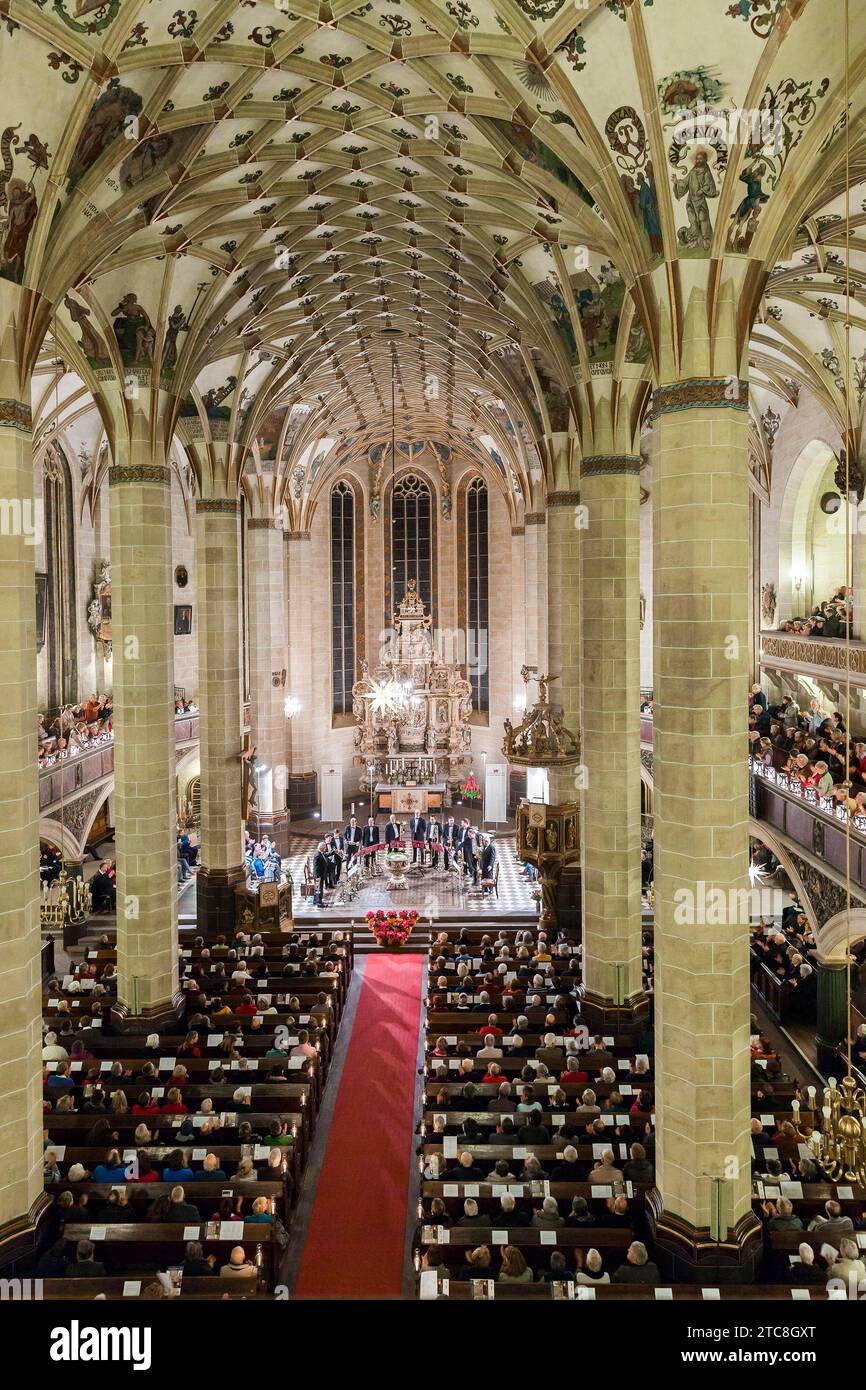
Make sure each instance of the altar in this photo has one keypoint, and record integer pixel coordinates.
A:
(412, 713)
(409, 800)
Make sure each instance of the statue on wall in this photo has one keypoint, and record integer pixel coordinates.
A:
(99, 609)
(768, 604)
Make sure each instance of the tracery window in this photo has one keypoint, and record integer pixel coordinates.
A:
(343, 598)
(477, 594)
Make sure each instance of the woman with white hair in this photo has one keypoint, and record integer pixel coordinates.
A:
(52, 1051)
(593, 1269)
(849, 1266)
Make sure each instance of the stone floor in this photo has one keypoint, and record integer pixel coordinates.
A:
(431, 892)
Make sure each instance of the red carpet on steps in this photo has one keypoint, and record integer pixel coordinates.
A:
(355, 1240)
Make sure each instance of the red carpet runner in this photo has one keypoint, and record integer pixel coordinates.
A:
(355, 1240)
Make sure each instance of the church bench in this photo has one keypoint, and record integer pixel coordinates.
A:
(487, 1090)
(133, 1286)
(229, 1156)
(534, 1245)
(207, 1196)
(626, 1293)
(468, 1023)
(199, 1069)
(787, 1242)
(493, 1191)
(545, 1153)
(532, 1038)
(255, 1042)
(265, 1101)
(487, 1120)
(489, 1205)
(511, 1067)
(155, 1245)
(71, 1129)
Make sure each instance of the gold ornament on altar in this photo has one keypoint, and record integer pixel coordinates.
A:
(541, 738)
(414, 705)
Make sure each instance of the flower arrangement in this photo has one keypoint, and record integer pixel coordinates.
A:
(392, 928)
(470, 789)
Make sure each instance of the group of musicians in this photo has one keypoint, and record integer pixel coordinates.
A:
(461, 843)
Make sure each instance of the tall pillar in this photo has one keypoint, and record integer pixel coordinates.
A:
(564, 537)
(701, 579)
(303, 796)
(220, 702)
(536, 595)
(832, 996)
(21, 1196)
(268, 660)
(144, 757)
(610, 581)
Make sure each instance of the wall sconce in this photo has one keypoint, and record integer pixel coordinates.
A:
(292, 706)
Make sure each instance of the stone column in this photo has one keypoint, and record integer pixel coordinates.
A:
(535, 599)
(303, 796)
(221, 703)
(832, 993)
(564, 536)
(144, 757)
(610, 581)
(701, 578)
(268, 659)
(21, 1196)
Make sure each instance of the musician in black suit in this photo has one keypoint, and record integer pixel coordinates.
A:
(450, 833)
(488, 863)
(321, 873)
(468, 847)
(392, 831)
(352, 840)
(418, 831)
(434, 840)
(370, 836)
(336, 854)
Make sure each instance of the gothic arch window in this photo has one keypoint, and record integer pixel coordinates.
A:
(410, 541)
(477, 594)
(60, 616)
(343, 597)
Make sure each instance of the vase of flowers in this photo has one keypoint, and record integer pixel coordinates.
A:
(392, 929)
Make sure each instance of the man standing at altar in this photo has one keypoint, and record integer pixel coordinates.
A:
(418, 833)
(450, 835)
(336, 851)
(434, 840)
(370, 836)
(321, 873)
(488, 865)
(392, 831)
(352, 837)
(468, 845)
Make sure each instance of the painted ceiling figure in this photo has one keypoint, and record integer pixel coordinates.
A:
(697, 187)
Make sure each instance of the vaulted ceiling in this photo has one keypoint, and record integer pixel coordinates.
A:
(254, 214)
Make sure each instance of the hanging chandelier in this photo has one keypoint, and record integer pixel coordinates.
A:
(840, 1148)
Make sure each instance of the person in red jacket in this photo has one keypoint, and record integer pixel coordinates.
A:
(174, 1105)
(247, 1007)
(145, 1105)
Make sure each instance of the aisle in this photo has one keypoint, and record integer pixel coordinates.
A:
(354, 1246)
